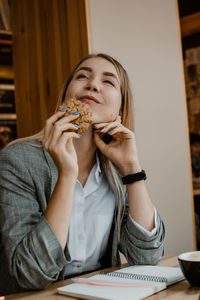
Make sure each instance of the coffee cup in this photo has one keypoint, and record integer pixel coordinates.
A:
(190, 265)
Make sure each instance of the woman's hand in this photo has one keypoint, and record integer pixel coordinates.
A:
(59, 133)
(122, 149)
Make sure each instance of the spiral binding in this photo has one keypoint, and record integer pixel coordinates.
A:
(136, 276)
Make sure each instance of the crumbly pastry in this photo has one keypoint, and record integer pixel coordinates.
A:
(85, 118)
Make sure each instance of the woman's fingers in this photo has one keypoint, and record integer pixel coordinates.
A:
(67, 119)
(105, 127)
(100, 143)
(57, 131)
(58, 138)
(63, 152)
(57, 119)
(112, 128)
(62, 142)
(67, 137)
(117, 131)
(50, 122)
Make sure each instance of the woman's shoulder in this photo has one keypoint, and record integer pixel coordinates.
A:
(26, 163)
(21, 150)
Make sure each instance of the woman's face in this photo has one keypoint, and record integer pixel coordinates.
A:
(97, 83)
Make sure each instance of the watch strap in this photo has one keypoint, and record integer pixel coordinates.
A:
(130, 178)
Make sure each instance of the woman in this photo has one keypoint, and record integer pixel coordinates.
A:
(63, 207)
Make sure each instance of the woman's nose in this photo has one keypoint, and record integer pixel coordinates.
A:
(92, 85)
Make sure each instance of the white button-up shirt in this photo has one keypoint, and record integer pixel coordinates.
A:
(90, 223)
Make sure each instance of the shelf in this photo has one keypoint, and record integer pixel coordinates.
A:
(196, 192)
(5, 42)
(7, 86)
(5, 32)
(190, 24)
(8, 117)
(6, 72)
(5, 37)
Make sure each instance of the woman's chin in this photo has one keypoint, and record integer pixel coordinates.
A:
(98, 119)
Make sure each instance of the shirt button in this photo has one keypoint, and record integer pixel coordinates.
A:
(79, 265)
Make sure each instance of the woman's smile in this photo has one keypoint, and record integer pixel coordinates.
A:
(89, 99)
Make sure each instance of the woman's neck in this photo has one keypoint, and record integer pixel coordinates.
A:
(86, 155)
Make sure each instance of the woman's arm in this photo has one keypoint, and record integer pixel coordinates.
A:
(59, 209)
(137, 246)
(34, 256)
(33, 235)
(140, 205)
(123, 153)
(58, 135)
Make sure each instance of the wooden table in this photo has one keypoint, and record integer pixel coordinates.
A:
(180, 291)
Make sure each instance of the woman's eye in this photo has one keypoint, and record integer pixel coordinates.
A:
(81, 76)
(109, 82)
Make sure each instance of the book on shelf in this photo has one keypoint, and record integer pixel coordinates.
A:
(192, 77)
(131, 283)
(8, 132)
(7, 98)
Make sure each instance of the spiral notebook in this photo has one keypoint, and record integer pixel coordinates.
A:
(131, 283)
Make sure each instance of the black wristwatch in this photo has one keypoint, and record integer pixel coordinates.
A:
(134, 177)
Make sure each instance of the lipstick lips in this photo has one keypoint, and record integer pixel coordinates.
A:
(89, 98)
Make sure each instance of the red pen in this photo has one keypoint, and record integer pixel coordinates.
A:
(109, 283)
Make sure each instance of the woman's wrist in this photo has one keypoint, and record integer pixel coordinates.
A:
(68, 175)
(130, 169)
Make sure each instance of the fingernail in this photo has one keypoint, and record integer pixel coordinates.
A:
(109, 132)
(76, 113)
(63, 109)
(76, 125)
(79, 134)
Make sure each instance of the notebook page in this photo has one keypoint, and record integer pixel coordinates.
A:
(84, 291)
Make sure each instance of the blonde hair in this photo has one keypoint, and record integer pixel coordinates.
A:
(112, 172)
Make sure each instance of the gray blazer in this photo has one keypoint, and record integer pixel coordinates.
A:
(30, 254)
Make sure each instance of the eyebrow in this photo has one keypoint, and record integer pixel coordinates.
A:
(104, 73)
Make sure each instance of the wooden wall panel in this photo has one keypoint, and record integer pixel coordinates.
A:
(49, 38)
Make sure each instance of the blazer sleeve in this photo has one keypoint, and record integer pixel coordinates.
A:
(138, 247)
(33, 253)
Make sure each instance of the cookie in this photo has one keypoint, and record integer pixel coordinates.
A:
(85, 118)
